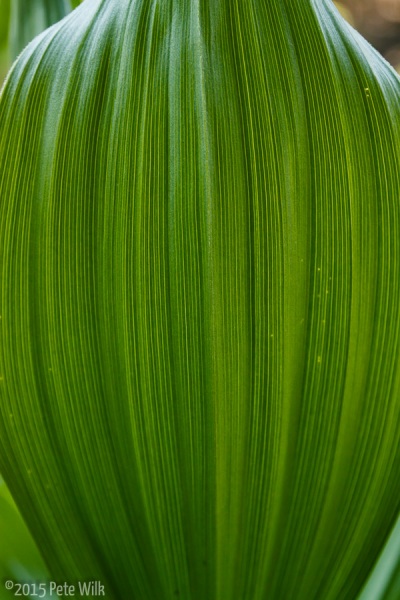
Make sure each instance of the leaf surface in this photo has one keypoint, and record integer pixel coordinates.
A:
(200, 249)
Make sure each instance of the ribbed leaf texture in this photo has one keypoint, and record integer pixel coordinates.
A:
(200, 262)
(31, 17)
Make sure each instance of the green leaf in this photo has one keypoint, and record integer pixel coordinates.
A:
(200, 266)
(18, 553)
(31, 17)
(384, 581)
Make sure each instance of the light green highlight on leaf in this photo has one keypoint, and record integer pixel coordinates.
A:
(384, 581)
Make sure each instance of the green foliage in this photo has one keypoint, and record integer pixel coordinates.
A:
(4, 20)
(31, 17)
(4, 12)
(384, 581)
(200, 257)
(19, 557)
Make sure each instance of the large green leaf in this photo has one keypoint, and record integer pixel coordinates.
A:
(200, 261)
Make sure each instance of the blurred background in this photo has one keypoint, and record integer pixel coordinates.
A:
(4, 19)
(5, 5)
(379, 22)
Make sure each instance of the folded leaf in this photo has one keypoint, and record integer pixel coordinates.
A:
(200, 266)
